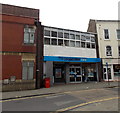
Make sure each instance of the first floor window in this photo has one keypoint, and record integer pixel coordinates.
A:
(118, 34)
(27, 70)
(119, 50)
(108, 51)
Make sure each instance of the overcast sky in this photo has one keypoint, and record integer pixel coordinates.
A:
(70, 14)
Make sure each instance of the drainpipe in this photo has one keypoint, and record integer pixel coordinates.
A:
(39, 55)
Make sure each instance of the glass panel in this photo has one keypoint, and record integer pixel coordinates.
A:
(78, 71)
(66, 35)
(72, 36)
(119, 50)
(72, 43)
(106, 33)
(108, 51)
(92, 39)
(54, 41)
(77, 44)
(105, 73)
(87, 38)
(88, 45)
(24, 73)
(118, 34)
(31, 37)
(109, 73)
(66, 42)
(60, 42)
(47, 33)
(60, 34)
(116, 69)
(83, 44)
(77, 37)
(30, 73)
(47, 41)
(93, 45)
(54, 34)
(26, 37)
(83, 38)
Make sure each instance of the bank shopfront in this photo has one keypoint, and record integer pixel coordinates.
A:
(71, 69)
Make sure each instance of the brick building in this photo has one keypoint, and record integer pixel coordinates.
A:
(19, 37)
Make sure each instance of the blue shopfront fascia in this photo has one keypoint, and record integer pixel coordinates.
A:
(71, 59)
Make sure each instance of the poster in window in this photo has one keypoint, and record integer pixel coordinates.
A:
(58, 73)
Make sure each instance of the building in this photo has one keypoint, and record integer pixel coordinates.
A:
(70, 56)
(20, 32)
(108, 36)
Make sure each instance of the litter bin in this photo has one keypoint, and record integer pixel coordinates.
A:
(47, 82)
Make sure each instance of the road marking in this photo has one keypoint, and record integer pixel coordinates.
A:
(83, 104)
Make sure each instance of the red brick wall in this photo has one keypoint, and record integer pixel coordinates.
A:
(11, 66)
(13, 34)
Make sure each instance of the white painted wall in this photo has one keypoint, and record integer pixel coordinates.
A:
(50, 50)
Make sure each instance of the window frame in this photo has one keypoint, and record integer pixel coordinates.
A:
(106, 51)
(105, 35)
(117, 33)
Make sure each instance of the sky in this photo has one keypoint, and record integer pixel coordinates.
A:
(70, 14)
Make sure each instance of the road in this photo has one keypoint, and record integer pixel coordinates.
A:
(103, 99)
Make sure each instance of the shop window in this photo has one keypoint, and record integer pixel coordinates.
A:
(72, 43)
(88, 45)
(108, 51)
(106, 34)
(66, 35)
(107, 73)
(47, 41)
(54, 41)
(66, 42)
(77, 44)
(83, 44)
(116, 69)
(60, 34)
(46, 32)
(29, 33)
(60, 42)
(119, 50)
(77, 37)
(118, 34)
(27, 70)
(92, 45)
(72, 36)
(54, 34)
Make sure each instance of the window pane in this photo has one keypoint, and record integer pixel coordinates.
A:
(66, 35)
(31, 38)
(60, 42)
(83, 38)
(77, 44)
(88, 45)
(93, 45)
(54, 41)
(72, 43)
(24, 73)
(60, 34)
(92, 39)
(106, 33)
(30, 73)
(83, 44)
(26, 37)
(118, 34)
(66, 42)
(47, 33)
(54, 34)
(77, 37)
(47, 41)
(72, 36)
(108, 51)
(87, 38)
(119, 50)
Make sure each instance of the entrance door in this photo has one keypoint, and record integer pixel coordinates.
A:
(75, 74)
(107, 74)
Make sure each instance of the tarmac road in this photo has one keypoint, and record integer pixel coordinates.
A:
(103, 99)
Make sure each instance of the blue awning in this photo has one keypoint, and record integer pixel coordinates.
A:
(71, 59)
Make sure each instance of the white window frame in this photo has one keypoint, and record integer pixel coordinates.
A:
(106, 51)
(108, 34)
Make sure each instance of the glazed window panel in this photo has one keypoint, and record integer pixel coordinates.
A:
(72, 43)
(66, 35)
(60, 34)
(46, 32)
(77, 37)
(118, 34)
(72, 36)
(92, 45)
(83, 44)
(54, 34)
(47, 41)
(60, 42)
(106, 34)
(54, 41)
(66, 42)
(77, 43)
(92, 39)
(83, 38)
(108, 51)
(119, 50)
(88, 45)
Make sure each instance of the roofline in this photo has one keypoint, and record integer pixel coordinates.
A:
(105, 20)
(69, 29)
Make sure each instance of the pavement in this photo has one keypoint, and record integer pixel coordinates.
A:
(58, 88)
